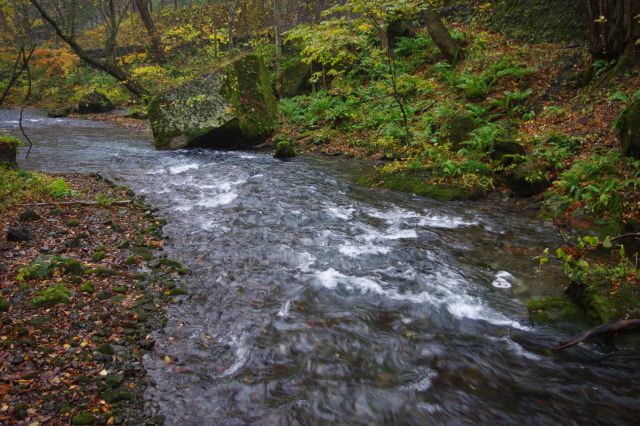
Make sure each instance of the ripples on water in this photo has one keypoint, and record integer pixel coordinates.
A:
(315, 301)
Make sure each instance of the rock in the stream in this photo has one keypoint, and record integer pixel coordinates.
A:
(231, 107)
(94, 103)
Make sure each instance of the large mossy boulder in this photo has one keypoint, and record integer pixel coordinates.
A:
(629, 130)
(232, 107)
(295, 79)
(94, 103)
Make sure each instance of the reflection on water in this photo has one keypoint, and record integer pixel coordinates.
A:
(314, 301)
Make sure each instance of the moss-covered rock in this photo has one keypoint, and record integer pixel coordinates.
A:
(284, 148)
(548, 310)
(419, 184)
(8, 149)
(231, 107)
(105, 348)
(84, 418)
(94, 103)
(295, 78)
(528, 178)
(4, 305)
(51, 296)
(457, 129)
(629, 130)
(59, 111)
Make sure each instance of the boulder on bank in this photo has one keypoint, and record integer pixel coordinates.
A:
(295, 79)
(629, 130)
(457, 129)
(528, 178)
(94, 103)
(232, 107)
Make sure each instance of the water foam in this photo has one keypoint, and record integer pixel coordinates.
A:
(504, 280)
(174, 170)
(444, 291)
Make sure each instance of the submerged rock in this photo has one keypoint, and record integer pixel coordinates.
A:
(94, 103)
(231, 107)
(629, 130)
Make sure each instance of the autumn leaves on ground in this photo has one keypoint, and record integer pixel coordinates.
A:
(77, 305)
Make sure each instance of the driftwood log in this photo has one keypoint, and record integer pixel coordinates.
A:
(613, 327)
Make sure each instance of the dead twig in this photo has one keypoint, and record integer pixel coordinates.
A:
(630, 235)
(25, 65)
(613, 327)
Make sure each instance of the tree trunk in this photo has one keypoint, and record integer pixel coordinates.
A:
(278, 40)
(108, 65)
(612, 27)
(147, 21)
(230, 16)
(451, 50)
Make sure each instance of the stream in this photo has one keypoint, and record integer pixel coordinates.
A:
(313, 300)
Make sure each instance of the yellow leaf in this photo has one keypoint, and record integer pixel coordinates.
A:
(167, 359)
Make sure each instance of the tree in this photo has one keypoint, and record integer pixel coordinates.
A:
(278, 41)
(450, 48)
(147, 20)
(65, 25)
(613, 27)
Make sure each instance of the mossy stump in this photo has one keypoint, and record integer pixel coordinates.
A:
(8, 149)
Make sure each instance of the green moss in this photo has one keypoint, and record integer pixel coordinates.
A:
(105, 348)
(113, 381)
(420, 185)
(72, 266)
(143, 253)
(176, 292)
(72, 223)
(607, 292)
(4, 305)
(20, 411)
(84, 418)
(51, 296)
(170, 263)
(554, 309)
(284, 149)
(87, 287)
(98, 256)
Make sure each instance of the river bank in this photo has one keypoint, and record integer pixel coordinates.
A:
(84, 285)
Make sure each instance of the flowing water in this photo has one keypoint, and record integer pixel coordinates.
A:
(316, 301)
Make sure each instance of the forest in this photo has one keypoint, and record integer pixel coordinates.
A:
(303, 212)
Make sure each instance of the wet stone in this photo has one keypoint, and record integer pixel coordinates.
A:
(18, 233)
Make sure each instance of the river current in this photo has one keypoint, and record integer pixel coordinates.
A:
(313, 300)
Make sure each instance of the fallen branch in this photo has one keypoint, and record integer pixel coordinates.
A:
(613, 327)
(77, 202)
(631, 235)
